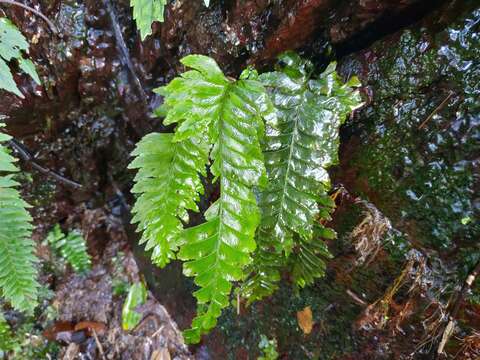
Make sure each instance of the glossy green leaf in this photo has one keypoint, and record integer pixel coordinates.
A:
(301, 143)
(145, 13)
(137, 295)
(168, 184)
(12, 46)
(229, 116)
(17, 260)
(72, 248)
(217, 250)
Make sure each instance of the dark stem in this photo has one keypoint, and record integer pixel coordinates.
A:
(36, 12)
(26, 156)
(125, 55)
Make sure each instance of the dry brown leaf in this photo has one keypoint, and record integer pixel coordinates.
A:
(72, 352)
(305, 320)
(161, 354)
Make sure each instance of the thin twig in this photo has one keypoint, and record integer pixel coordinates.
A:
(26, 156)
(356, 298)
(437, 109)
(99, 344)
(160, 329)
(36, 12)
(125, 55)
(449, 328)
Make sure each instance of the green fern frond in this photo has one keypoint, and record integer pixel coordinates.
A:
(12, 44)
(264, 272)
(146, 12)
(72, 248)
(168, 184)
(17, 259)
(299, 147)
(228, 116)
(217, 250)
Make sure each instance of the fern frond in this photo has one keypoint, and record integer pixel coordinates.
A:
(299, 147)
(217, 250)
(168, 184)
(12, 43)
(145, 12)
(228, 116)
(72, 248)
(17, 259)
(264, 272)
(307, 262)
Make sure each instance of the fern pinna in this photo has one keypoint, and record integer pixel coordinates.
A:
(299, 147)
(220, 123)
(18, 283)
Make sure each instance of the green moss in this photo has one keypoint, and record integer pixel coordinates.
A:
(420, 135)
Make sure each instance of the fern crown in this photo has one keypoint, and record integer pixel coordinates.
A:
(220, 122)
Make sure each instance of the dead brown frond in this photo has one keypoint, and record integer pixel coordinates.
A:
(368, 235)
(386, 311)
(470, 347)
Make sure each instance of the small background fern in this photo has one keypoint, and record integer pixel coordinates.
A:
(71, 247)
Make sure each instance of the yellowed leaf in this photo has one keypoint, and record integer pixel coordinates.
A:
(305, 320)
